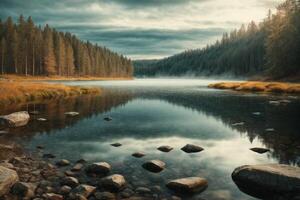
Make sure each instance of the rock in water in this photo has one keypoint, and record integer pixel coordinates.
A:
(53, 196)
(116, 144)
(84, 190)
(190, 148)
(23, 190)
(77, 167)
(63, 163)
(16, 119)
(8, 178)
(107, 119)
(154, 166)
(71, 114)
(70, 181)
(98, 168)
(114, 182)
(41, 119)
(188, 185)
(268, 181)
(138, 154)
(165, 148)
(259, 150)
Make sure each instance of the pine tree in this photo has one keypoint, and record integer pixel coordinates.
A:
(49, 57)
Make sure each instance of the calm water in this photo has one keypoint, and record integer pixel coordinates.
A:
(149, 113)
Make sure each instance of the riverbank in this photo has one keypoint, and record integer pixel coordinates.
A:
(59, 78)
(256, 86)
(22, 91)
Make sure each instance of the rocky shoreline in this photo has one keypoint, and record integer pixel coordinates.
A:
(42, 176)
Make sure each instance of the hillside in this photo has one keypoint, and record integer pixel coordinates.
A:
(269, 49)
(26, 49)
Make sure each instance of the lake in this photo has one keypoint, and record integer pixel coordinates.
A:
(148, 113)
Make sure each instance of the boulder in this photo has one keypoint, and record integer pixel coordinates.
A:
(63, 163)
(188, 185)
(70, 181)
(259, 150)
(114, 182)
(53, 196)
(138, 154)
(116, 144)
(98, 168)
(23, 190)
(8, 178)
(165, 148)
(65, 190)
(71, 114)
(190, 148)
(77, 167)
(16, 119)
(154, 166)
(104, 196)
(84, 190)
(268, 181)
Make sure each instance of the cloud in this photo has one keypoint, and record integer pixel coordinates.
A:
(142, 28)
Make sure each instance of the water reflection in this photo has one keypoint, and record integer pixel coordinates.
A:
(146, 117)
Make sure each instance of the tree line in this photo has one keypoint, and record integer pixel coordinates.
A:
(28, 49)
(270, 48)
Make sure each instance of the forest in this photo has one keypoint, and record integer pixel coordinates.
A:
(268, 49)
(27, 49)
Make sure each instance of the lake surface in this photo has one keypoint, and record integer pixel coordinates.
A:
(148, 113)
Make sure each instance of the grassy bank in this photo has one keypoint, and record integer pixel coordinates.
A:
(23, 91)
(60, 78)
(255, 86)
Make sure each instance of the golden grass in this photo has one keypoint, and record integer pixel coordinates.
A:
(60, 78)
(255, 86)
(18, 91)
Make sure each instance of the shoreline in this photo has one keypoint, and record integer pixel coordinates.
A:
(60, 78)
(259, 86)
(25, 91)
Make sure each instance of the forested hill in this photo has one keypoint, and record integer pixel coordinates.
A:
(270, 48)
(31, 50)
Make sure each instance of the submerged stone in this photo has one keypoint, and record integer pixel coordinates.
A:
(138, 154)
(116, 144)
(84, 190)
(63, 163)
(154, 166)
(98, 168)
(114, 182)
(71, 114)
(165, 148)
(190, 148)
(16, 119)
(259, 150)
(107, 118)
(268, 181)
(188, 185)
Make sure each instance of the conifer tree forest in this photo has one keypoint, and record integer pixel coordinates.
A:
(270, 48)
(26, 49)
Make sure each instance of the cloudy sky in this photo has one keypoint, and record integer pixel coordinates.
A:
(142, 29)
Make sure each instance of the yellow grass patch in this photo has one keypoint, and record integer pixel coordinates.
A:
(18, 91)
(255, 86)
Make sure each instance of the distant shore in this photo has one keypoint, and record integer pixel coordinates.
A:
(18, 89)
(60, 78)
(259, 86)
